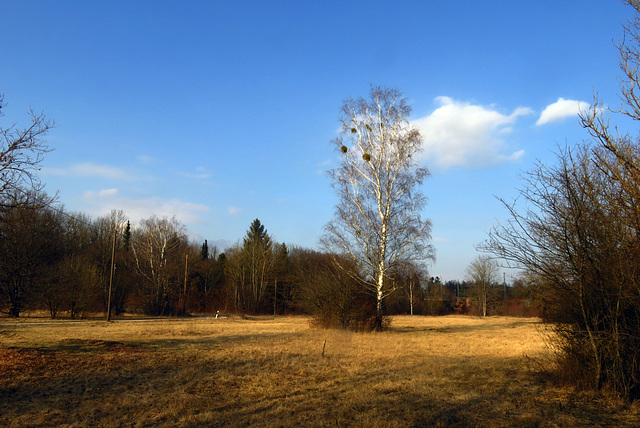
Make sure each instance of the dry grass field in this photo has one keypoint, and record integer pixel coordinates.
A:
(425, 371)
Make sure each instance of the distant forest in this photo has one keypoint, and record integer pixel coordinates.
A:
(66, 263)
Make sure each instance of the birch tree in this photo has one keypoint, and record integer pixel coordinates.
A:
(377, 221)
(157, 246)
(483, 272)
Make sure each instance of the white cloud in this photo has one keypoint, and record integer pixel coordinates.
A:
(145, 159)
(138, 209)
(461, 133)
(221, 244)
(233, 210)
(200, 173)
(323, 166)
(560, 110)
(90, 169)
(100, 193)
(203, 172)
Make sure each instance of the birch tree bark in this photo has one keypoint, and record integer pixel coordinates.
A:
(377, 222)
(157, 242)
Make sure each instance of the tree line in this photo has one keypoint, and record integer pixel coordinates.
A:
(70, 264)
(373, 260)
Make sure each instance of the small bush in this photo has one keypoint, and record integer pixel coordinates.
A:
(335, 298)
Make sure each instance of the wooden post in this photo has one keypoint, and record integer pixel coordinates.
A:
(411, 295)
(186, 271)
(275, 295)
(113, 256)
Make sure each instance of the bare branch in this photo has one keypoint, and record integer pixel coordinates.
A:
(22, 151)
(377, 222)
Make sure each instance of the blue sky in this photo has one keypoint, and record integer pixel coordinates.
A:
(220, 112)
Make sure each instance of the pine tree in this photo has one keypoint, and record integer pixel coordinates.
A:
(258, 256)
(204, 252)
(126, 237)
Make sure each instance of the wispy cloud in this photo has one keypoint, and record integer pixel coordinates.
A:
(439, 240)
(561, 109)
(201, 173)
(100, 193)
(323, 166)
(138, 209)
(89, 169)
(145, 159)
(233, 210)
(462, 133)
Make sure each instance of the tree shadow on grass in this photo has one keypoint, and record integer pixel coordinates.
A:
(466, 328)
(117, 386)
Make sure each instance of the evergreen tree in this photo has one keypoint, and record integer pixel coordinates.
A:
(204, 252)
(257, 251)
(256, 235)
(126, 237)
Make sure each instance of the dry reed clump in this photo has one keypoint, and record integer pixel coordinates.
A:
(446, 371)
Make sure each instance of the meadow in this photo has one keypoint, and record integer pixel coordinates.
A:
(281, 371)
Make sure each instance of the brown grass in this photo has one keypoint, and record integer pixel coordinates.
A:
(425, 371)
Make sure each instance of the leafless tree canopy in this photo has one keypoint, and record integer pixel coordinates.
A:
(574, 230)
(157, 246)
(378, 222)
(483, 272)
(251, 267)
(30, 245)
(21, 152)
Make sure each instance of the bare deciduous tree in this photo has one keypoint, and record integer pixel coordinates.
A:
(251, 267)
(333, 296)
(483, 272)
(21, 152)
(574, 230)
(377, 222)
(156, 248)
(30, 246)
(409, 276)
(107, 248)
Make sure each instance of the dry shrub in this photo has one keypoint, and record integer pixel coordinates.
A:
(347, 306)
(574, 228)
(518, 308)
(334, 297)
(598, 359)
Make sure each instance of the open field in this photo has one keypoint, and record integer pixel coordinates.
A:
(425, 371)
